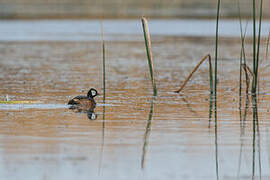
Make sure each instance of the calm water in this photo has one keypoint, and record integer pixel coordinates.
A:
(134, 136)
(118, 30)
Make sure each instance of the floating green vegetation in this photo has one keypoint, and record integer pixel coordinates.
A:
(20, 102)
(149, 53)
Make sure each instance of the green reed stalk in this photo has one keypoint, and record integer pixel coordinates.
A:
(258, 46)
(216, 49)
(104, 96)
(242, 53)
(149, 53)
(254, 82)
(216, 57)
(103, 61)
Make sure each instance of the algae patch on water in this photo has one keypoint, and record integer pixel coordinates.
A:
(20, 102)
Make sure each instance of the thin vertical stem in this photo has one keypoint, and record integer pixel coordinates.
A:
(254, 82)
(241, 53)
(216, 50)
(103, 61)
(149, 53)
(104, 95)
(216, 58)
(258, 45)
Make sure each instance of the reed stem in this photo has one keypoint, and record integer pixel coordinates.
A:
(149, 53)
(258, 47)
(216, 49)
(103, 61)
(254, 83)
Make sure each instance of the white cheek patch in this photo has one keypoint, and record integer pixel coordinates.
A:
(93, 116)
(93, 93)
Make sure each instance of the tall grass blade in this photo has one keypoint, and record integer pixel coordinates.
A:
(149, 53)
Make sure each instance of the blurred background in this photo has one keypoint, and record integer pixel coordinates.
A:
(123, 8)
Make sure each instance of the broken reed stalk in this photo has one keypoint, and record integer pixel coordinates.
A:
(149, 53)
(195, 69)
(247, 72)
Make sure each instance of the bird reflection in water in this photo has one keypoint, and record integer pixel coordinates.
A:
(90, 112)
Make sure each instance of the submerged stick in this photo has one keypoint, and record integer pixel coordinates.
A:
(149, 53)
(195, 69)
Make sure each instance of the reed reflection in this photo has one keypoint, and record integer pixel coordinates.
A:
(104, 98)
(256, 138)
(147, 133)
(216, 140)
(243, 118)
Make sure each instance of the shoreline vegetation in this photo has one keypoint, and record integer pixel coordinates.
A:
(90, 9)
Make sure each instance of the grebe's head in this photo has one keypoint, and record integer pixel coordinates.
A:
(92, 93)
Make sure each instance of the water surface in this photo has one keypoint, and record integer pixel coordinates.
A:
(136, 136)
